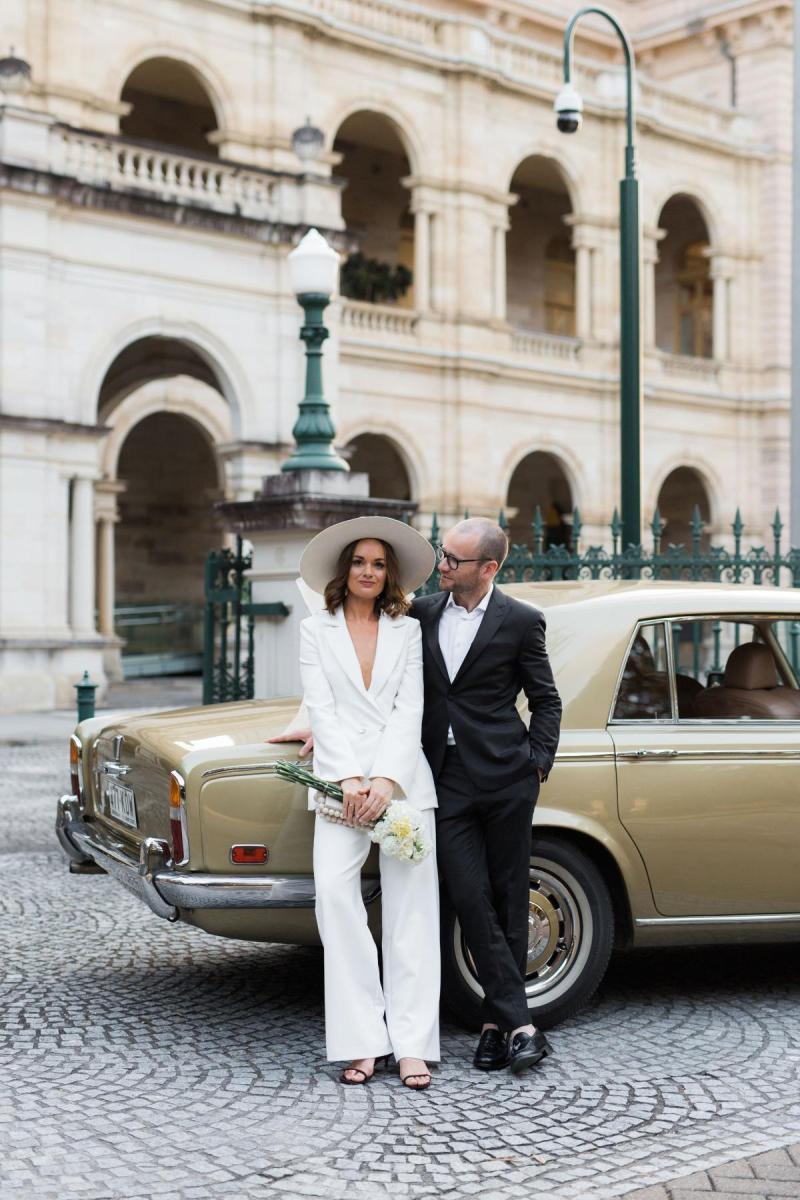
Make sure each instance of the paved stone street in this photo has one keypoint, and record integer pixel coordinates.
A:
(141, 1060)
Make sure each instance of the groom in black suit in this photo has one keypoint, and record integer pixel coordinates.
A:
(480, 649)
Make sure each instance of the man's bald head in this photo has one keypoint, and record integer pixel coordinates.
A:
(491, 542)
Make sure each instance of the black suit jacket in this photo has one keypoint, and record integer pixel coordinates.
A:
(507, 656)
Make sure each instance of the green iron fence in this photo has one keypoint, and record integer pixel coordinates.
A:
(536, 563)
(228, 667)
(228, 626)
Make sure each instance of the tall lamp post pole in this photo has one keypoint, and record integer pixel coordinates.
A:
(313, 270)
(569, 108)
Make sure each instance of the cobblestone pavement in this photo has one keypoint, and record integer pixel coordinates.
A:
(771, 1175)
(145, 1061)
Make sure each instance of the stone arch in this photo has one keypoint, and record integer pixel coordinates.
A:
(220, 96)
(401, 122)
(181, 394)
(540, 259)
(541, 477)
(377, 209)
(551, 155)
(702, 202)
(681, 485)
(222, 366)
(385, 459)
(684, 291)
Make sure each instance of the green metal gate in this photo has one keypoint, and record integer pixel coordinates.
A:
(228, 626)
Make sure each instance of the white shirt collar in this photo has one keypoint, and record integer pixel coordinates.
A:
(479, 608)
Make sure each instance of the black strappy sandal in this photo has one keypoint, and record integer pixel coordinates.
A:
(384, 1058)
(416, 1087)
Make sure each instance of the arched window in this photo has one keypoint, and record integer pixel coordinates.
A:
(681, 491)
(540, 261)
(164, 483)
(376, 209)
(684, 290)
(169, 106)
(539, 480)
(378, 457)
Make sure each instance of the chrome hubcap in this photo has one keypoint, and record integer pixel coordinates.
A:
(554, 931)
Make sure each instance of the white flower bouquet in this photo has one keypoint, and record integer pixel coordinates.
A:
(399, 830)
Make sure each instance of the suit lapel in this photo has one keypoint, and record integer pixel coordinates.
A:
(430, 634)
(387, 651)
(496, 612)
(340, 642)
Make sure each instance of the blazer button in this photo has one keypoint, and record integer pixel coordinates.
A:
(362, 729)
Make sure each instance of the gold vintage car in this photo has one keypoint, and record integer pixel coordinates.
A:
(672, 816)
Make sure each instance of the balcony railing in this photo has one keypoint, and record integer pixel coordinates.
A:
(689, 365)
(357, 315)
(545, 345)
(104, 161)
(454, 38)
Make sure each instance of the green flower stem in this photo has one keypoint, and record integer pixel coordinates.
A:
(297, 774)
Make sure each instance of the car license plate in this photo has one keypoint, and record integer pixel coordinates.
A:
(121, 803)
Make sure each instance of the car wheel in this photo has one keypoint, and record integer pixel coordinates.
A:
(571, 936)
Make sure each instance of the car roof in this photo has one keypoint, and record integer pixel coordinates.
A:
(590, 624)
(642, 598)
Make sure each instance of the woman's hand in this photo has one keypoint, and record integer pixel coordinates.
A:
(354, 792)
(297, 735)
(377, 799)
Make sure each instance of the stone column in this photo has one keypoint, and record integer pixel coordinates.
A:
(499, 276)
(650, 240)
(82, 551)
(585, 242)
(721, 274)
(422, 258)
(106, 515)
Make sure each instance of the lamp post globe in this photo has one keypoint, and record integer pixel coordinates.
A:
(313, 274)
(313, 267)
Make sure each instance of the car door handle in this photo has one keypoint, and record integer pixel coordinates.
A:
(637, 755)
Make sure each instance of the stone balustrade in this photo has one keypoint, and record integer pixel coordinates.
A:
(403, 22)
(452, 38)
(545, 345)
(689, 365)
(105, 161)
(359, 316)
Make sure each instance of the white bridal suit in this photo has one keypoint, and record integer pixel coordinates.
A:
(376, 732)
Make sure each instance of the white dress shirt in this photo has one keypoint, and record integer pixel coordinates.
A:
(457, 631)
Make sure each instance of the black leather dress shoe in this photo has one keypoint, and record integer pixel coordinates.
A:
(492, 1052)
(527, 1049)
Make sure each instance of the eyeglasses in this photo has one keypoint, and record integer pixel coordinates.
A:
(453, 562)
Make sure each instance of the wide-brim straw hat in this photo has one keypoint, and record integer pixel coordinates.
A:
(415, 555)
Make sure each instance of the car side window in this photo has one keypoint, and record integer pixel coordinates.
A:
(643, 693)
(733, 669)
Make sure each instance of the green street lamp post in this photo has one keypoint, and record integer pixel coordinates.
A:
(313, 269)
(569, 108)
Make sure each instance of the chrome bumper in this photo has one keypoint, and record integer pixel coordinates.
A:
(165, 890)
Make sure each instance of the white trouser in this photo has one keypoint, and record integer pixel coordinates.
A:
(361, 1020)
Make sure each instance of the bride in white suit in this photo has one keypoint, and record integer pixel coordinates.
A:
(361, 668)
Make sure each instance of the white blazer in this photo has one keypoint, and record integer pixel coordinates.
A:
(359, 732)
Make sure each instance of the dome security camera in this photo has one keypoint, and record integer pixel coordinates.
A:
(568, 109)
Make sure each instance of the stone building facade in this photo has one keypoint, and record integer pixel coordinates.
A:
(149, 358)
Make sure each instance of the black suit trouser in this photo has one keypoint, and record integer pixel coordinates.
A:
(483, 844)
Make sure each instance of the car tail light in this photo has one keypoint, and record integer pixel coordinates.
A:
(76, 767)
(177, 819)
(249, 855)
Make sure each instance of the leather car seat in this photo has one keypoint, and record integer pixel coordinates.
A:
(750, 688)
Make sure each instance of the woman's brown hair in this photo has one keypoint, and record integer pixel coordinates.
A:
(392, 599)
